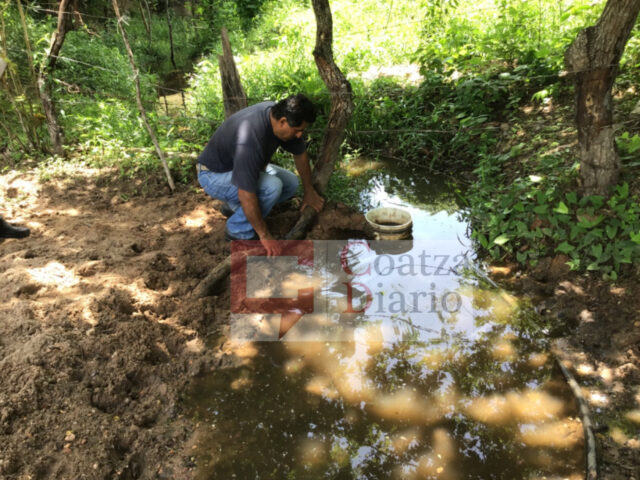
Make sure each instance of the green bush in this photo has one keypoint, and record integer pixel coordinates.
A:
(531, 216)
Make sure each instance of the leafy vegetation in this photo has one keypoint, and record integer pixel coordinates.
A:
(528, 216)
(438, 86)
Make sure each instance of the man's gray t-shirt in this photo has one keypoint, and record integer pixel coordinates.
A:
(245, 144)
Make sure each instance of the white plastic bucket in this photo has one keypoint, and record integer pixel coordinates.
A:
(390, 223)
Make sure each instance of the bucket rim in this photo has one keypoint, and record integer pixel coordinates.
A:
(388, 228)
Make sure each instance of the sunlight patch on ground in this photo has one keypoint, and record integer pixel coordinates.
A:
(438, 463)
(140, 293)
(17, 187)
(573, 476)
(294, 366)
(408, 74)
(69, 212)
(606, 374)
(87, 312)
(504, 350)
(296, 281)
(406, 405)
(195, 346)
(53, 274)
(618, 436)
(561, 434)
(585, 369)
(196, 219)
(243, 382)
(174, 103)
(435, 358)
(568, 287)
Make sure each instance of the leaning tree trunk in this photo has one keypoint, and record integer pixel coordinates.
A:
(593, 58)
(341, 110)
(27, 43)
(44, 78)
(147, 26)
(143, 113)
(173, 57)
(234, 97)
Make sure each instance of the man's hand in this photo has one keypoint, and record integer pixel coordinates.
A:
(313, 199)
(271, 245)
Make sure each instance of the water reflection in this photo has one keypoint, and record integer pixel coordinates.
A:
(415, 393)
(477, 403)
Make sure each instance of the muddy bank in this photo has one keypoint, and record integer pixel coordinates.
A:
(597, 326)
(98, 333)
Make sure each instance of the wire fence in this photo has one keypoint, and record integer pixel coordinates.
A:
(163, 89)
(505, 75)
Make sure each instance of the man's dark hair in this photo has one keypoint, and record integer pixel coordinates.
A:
(296, 109)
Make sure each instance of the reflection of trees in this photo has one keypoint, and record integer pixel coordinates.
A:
(430, 193)
(393, 406)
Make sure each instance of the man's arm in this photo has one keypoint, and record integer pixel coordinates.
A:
(251, 207)
(311, 197)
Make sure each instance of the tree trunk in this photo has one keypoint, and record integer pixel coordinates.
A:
(593, 58)
(26, 39)
(172, 54)
(147, 26)
(173, 57)
(143, 113)
(46, 71)
(233, 94)
(341, 110)
(150, 32)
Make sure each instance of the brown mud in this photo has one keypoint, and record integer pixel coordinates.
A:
(99, 336)
(597, 325)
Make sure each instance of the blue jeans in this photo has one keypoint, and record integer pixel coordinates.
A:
(275, 185)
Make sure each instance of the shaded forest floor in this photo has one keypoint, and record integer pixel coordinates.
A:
(99, 336)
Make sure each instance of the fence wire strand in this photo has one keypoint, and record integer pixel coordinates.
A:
(162, 88)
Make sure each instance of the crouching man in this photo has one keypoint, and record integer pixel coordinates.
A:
(234, 166)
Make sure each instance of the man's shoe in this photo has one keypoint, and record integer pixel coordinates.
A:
(229, 237)
(225, 209)
(9, 231)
